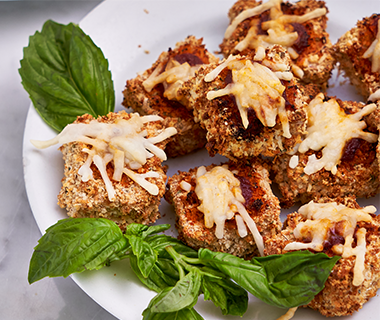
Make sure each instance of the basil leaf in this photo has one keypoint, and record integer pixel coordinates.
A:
(75, 245)
(66, 75)
(146, 256)
(184, 314)
(144, 231)
(161, 241)
(286, 281)
(163, 274)
(225, 294)
(183, 295)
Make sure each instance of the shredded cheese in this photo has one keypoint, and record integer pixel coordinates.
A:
(373, 52)
(185, 186)
(329, 128)
(173, 77)
(293, 162)
(124, 142)
(221, 198)
(322, 217)
(376, 95)
(289, 314)
(279, 29)
(254, 86)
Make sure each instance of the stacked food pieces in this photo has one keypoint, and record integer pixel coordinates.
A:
(337, 227)
(250, 105)
(265, 108)
(358, 54)
(299, 27)
(336, 158)
(157, 91)
(227, 208)
(113, 167)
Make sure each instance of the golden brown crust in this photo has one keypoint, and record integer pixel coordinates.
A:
(313, 45)
(339, 297)
(357, 175)
(90, 199)
(261, 204)
(349, 52)
(190, 135)
(226, 134)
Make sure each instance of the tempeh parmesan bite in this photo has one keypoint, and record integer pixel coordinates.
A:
(358, 54)
(337, 227)
(337, 157)
(156, 91)
(250, 106)
(227, 208)
(299, 27)
(113, 167)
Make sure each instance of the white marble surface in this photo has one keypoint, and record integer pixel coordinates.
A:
(58, 299)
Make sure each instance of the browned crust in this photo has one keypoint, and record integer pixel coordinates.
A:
(339, 297)
(90, 199)
(349, 52)
(190, 135)
(220, 117)
(357, 174)
(315, 57)
(261, 204)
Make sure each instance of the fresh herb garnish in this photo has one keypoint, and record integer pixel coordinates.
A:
(176, 272)
(66, 75)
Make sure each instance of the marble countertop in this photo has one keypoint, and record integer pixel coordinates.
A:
(58, 298)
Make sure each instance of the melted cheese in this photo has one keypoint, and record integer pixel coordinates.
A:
(279, 29)
(373, 52)
(322, 217)
(173, 77)
(329, 128)
(289, 314)
(221, 198)
(254, 86)
(376, 95)
(123, 142)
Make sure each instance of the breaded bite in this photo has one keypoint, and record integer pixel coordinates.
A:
(155, 91)
(357, 52)
(300, 27)
(199, 200)
(247, 107)
(374, 122)
(97, 185)
(336, 227)
(336, 159)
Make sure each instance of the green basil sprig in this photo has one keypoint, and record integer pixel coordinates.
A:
(286, 281)
(178, 273)
(66, 75)
(75, 245)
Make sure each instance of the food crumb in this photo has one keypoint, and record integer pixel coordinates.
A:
(147, 51)
(146, 11)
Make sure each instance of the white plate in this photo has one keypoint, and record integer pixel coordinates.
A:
(132, 34)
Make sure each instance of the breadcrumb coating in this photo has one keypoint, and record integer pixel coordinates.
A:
(90, 198)
(339, 297)
(220, 117)
(190, 136)
(349, 51)
(357, 174)
(261, 204)
(313, 45)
